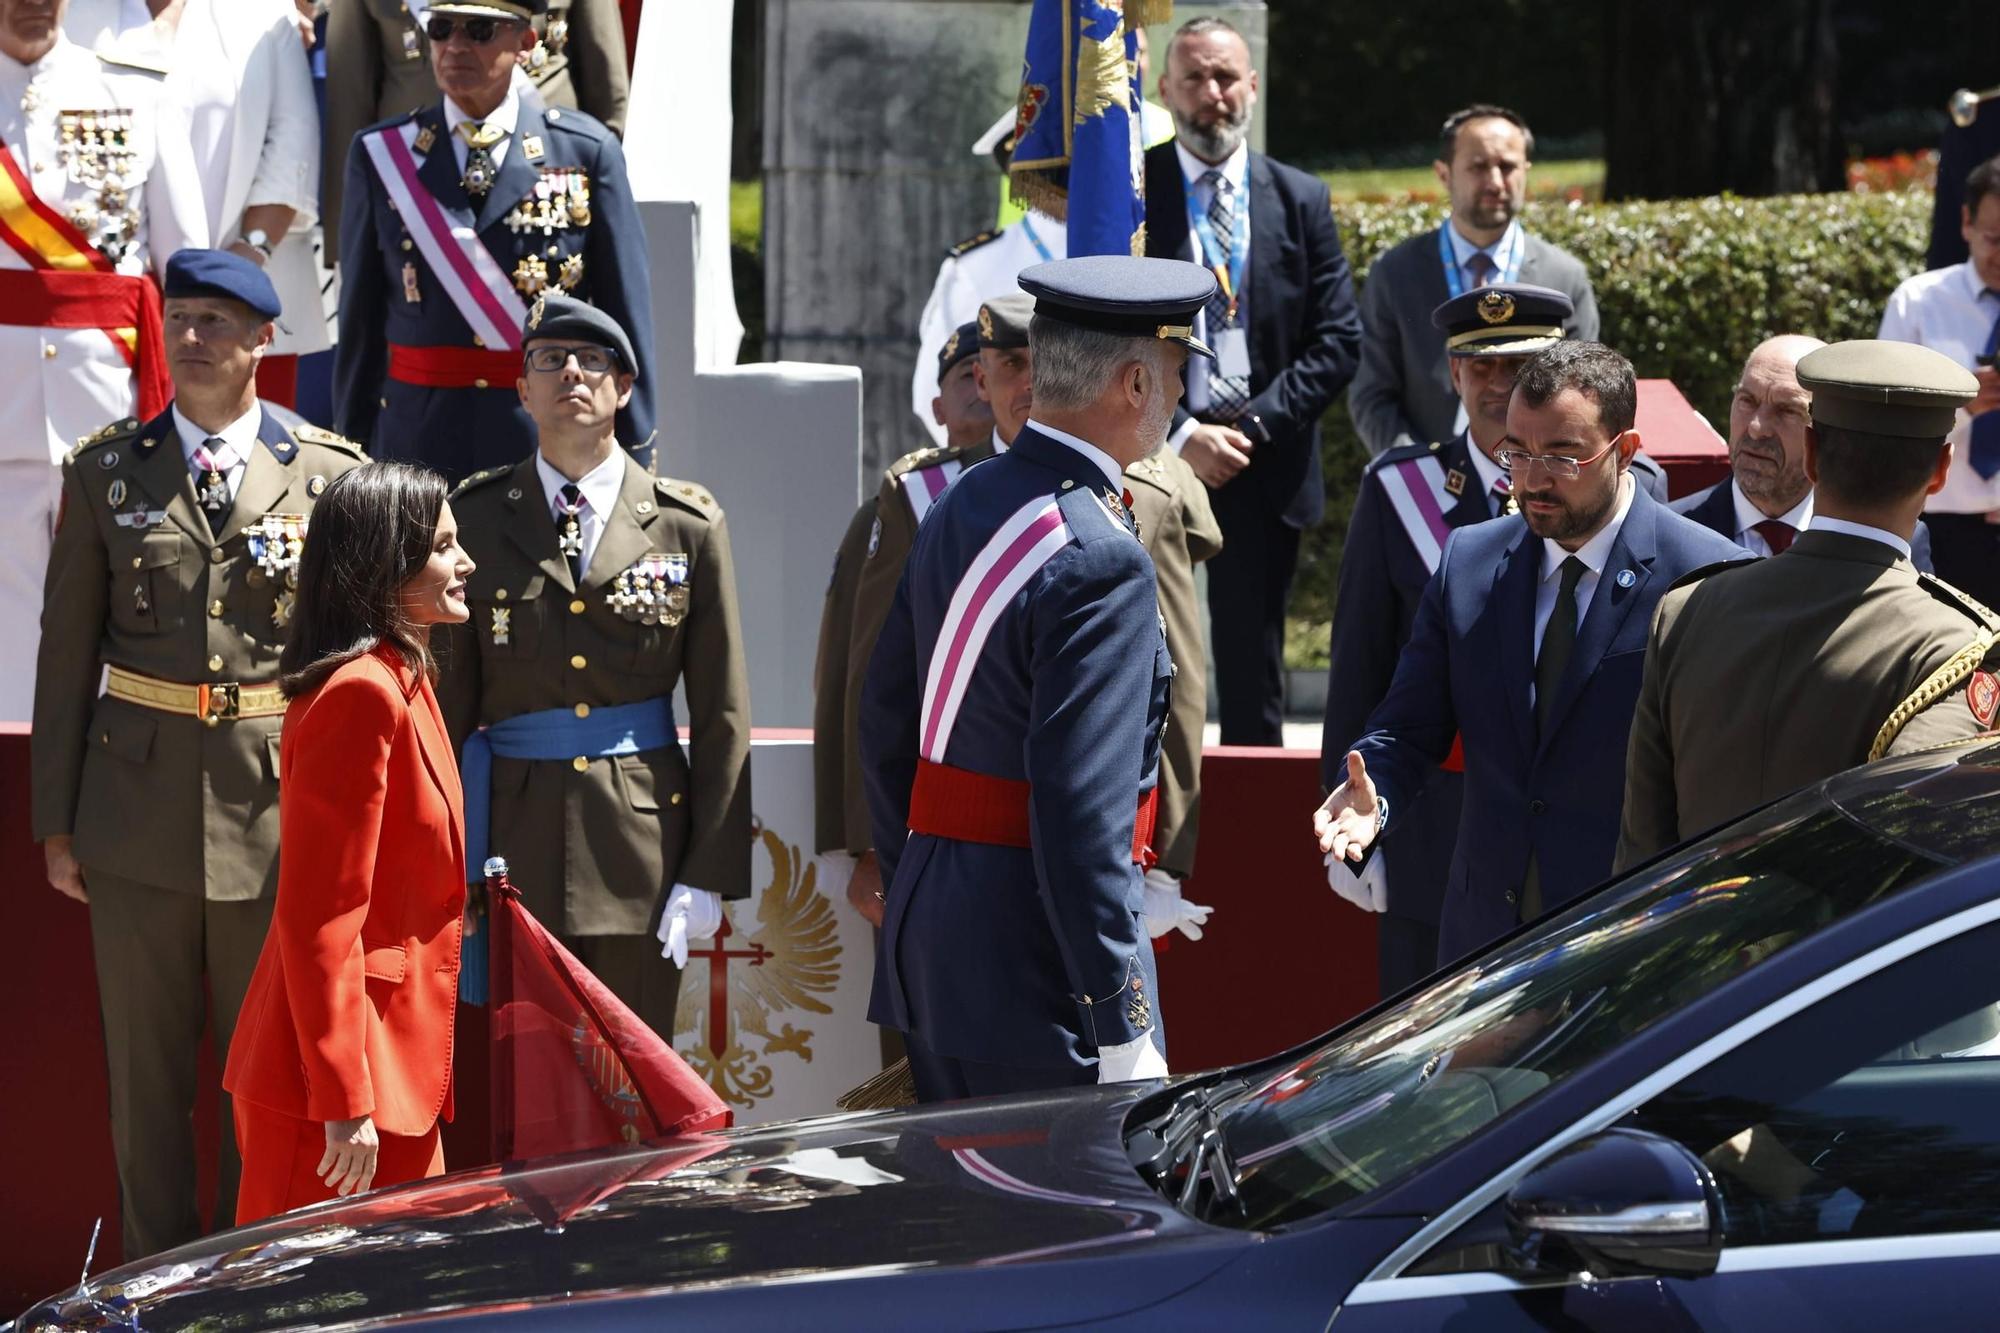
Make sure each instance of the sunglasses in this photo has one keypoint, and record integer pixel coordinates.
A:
(590, 360)
(439, 28)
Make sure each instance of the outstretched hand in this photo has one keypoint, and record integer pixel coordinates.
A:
(1345, 824)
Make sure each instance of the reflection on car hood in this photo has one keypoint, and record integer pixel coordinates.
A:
(982, 1183)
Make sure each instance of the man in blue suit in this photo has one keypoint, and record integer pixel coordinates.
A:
(1011, 716)
(453, 219)
(1528, 646)
(1411, 500)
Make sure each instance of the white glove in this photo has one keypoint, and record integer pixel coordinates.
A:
(1368, 890)
(1130, 1060)
(691, 914)
(1166, 910)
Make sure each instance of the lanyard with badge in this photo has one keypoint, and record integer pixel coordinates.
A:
(1232, 347)
(1506, 265)
(1028, 230)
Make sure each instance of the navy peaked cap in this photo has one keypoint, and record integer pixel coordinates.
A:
(1139, 298)
(1503, 319)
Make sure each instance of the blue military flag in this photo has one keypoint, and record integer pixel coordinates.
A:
(1078, 148)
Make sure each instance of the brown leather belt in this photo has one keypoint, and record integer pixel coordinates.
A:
(214, 702)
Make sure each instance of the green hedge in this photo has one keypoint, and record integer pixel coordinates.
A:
(1686, 288)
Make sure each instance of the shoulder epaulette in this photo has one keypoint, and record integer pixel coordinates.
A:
(1403, 453)
(971, 243)
(569, 119)
(688, 495)
(134, 61)
(1957, 669)
(479, 479)
(1697, 575)
(1153, 472)
(117, 430)
(1971, 607)
(310, 434)
(920, 459)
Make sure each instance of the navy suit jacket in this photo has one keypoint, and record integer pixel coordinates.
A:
(459, 431)
(1715, 508)
(1469, 669)
(1305, 328)
(987, 951)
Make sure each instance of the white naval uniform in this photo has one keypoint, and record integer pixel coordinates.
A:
(64, 384)
(965, 281)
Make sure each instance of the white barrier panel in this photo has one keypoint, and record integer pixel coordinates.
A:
(774, 1009)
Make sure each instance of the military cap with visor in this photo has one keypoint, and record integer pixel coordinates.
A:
(960, 347)
(557, 316)
(1122, 295)
(1503, 319)
(521, 11)
(1882, 387)
(222, 274)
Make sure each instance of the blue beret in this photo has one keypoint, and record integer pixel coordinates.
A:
(961, 345)
(555, 315)
(220, 273)
(1138, 298)
(1503, 319)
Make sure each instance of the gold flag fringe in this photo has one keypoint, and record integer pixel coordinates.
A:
(889, 1090)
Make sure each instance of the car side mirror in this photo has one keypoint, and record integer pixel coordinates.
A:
(1623, 1203)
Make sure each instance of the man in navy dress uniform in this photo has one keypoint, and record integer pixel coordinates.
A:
(453, 219)
(1011, 717)
(1527, 648)
(1412, 499)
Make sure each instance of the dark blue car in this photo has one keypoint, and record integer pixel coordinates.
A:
(1754, 1085)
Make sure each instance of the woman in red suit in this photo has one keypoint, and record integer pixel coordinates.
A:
(341, 1063)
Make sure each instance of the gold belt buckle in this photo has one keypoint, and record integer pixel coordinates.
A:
(219, 702)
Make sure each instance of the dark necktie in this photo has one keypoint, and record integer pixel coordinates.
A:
(1558, 639)
(1481, 266)
(569, 529)
(1983, 450)
(1777, 534)
(1228, 394)
(212, 460)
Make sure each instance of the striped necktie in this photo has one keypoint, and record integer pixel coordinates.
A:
(1228, 394)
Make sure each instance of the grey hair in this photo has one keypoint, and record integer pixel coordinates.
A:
(1073, 364)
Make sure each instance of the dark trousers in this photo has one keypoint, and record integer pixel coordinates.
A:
(940, 1078)
(1406, 951)
(153, 947)
(630, 966)
(1965, 551)
(1249, 583)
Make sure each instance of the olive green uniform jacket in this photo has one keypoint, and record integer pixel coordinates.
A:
(595, 844)
(1769, 675)
(137, 580)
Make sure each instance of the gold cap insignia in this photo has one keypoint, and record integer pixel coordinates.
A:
(1496, 307)
(951, 344)
(535, 311)
(985, 325)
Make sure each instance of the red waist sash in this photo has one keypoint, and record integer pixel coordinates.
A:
(453, 367)
(126, 308)
(949, 802)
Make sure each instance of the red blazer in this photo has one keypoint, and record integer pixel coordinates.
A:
(350, 1010)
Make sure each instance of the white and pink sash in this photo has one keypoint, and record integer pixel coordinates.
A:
(1024, 543)
(1417, 493)
(926, 485)
(471, 277)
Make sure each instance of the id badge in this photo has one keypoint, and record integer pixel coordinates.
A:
(1232, 352)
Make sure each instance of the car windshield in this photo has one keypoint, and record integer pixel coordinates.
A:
(1378, 1100)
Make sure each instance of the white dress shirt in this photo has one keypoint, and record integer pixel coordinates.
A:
(600, 487)
(240, 435)
(1949, 310)
(999, 445)
(1489, 472)
(504, 117)
(1235, 171)
(1748, 516)
(1503, 252)
(1822, 523)
(1594, 553)
(1113, 474)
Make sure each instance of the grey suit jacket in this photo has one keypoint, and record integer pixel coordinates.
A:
(1402, 393)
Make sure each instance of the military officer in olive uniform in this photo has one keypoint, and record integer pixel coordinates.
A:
(380, 59)
(599, 588)
(157, 803)
(453, 220)
(1763, 677)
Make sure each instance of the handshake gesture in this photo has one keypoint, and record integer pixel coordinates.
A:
(1346, 826)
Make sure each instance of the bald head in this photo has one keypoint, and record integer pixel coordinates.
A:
(1768, 415)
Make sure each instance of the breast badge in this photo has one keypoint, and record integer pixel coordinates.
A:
(559, 201)
(275, 542)
(502, 625)
(115, 495)
(410, 293)
(531, 275)
(652, 590)
(96, 151)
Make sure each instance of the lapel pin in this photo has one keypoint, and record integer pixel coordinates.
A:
(1626, 578)
(1454, 482)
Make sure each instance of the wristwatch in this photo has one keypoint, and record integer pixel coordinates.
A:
(259, 240)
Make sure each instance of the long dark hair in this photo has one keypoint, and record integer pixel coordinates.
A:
(370, 531)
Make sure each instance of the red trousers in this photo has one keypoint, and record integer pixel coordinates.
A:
(281, 1157)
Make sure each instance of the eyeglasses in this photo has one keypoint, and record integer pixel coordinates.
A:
(590, 360)
(1561, 467)
(439, 28)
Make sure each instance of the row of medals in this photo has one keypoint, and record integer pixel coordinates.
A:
(652, 591)
(96, 151)
(561, 200)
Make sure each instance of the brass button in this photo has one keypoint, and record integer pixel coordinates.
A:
(408, 243)
(644, 506)
(137, 563)
(478, 341)
(215, 555)
(215, 608)
(675, 799)
(579, 763)
(481, 384)
(215, 662)
(211, 721)
(104, 738)
(49, 351)
(578, 662)
(583, 710)
(499, 594)
(576, 607)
